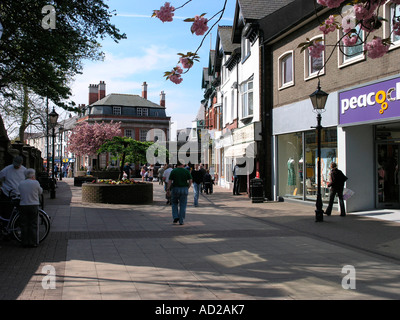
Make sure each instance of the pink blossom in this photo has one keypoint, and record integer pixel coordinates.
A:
(350, 41)
(396, 28)
(376, 48)
(186, 63)
(329, 25)
(365, 11)
(166, 12)
(316, 49)
(199, 26)
(175, 76)
(86, 138)
(348, 23)
(330, 3)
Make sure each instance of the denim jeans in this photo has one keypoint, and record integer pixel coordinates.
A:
(179, 198)
(196, 190)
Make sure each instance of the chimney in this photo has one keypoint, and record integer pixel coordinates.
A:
(144, 90)
(93, 93)
(162, 99)
(101, 90)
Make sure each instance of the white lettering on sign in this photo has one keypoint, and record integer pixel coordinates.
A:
(381, 97)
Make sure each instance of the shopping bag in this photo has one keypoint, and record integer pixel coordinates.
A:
(347, 193)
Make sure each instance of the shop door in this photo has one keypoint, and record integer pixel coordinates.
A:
(388, 191)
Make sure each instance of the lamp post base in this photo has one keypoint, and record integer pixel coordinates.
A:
(52, 189)
(319, 215)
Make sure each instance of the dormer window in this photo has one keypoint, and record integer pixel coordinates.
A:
(143, 112)
(117, 111)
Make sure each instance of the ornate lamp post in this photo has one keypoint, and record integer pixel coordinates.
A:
(61, 131)
(318, 100)
(53, 117)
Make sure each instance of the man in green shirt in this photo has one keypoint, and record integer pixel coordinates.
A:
(179, 183)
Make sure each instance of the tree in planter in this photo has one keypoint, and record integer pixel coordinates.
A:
(130, 150)
(86, 138)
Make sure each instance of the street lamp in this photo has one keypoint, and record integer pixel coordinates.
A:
(60, 131)
(53, 117)
(318, 100)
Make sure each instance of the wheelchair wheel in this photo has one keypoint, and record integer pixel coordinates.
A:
(43, 226)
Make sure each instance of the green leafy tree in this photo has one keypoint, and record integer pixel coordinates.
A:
(46, 59)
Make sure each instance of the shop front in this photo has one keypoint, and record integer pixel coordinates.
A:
(295, 149)
(369, 131)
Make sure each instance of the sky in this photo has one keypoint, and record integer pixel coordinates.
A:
(151, 49)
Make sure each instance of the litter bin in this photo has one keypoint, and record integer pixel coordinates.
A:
(256, 190)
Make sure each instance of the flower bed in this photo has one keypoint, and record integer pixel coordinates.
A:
(118, 192)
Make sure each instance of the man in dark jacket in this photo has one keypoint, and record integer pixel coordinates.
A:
(337, 180)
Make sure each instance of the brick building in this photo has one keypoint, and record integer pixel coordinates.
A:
(140, 118)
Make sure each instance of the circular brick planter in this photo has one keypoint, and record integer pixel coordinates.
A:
(140, 193)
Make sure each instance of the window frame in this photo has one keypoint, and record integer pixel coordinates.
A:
(307, 59)
(343, 60)
(244, 97)
(143, 133)
(284, 85)
(387, 26)
(114, 111)
(126, 133)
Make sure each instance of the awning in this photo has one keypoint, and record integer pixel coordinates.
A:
(243, 150)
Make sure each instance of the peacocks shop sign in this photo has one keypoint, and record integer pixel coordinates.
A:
(373, 102)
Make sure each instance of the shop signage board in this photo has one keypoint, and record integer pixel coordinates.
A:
(374, 102)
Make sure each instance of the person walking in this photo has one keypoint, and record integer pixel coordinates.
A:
(180, 180)
(128, 170)
(197, 176)
(337, 180)
(30, 191)
(10, 177)
(236, 181)
(166, 174)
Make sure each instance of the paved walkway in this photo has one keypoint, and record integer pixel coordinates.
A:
(228, 248)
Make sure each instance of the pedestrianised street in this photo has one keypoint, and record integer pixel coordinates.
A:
(228, 249)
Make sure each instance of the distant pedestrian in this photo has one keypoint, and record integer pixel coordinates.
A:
(180, 180)
(160, 174)
(143, 173)
(208, 183)
(30, 191)
(127, 170)
(166, 175)
(197, 176)
(236, 181)
(337, 180)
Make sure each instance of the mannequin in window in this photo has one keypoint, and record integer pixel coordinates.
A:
(291, 174)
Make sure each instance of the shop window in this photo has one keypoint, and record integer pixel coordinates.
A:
(314, 66)
(297, 163)
(286, 71)
(290, 167)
